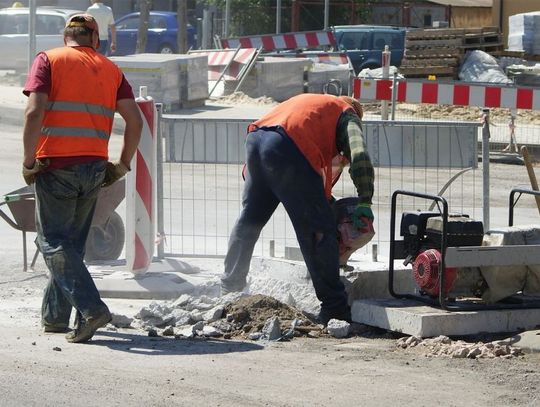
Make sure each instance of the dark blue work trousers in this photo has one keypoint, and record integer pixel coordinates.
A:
(278, 172)
(65, 203)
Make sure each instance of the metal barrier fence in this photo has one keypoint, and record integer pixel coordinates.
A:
(202, 182)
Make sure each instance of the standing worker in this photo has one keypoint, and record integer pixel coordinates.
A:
(73, 92)
(105, 20)
(289, 157)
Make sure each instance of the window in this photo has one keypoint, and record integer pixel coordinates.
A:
(14, 24)
(49, 25)
(355, 40)
(157, 22)
(131, 23)
(427, 20)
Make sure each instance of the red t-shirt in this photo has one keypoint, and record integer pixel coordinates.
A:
(39, 80)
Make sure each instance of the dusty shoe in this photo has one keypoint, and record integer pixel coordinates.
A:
(326, 315)
(88, 327)
(55, 329)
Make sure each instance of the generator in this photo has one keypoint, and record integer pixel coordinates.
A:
(458, 266)
(422, 233)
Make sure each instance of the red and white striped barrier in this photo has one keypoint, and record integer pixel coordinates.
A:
(311, 39)
(451, 93)
(218, 60)
(140, 192)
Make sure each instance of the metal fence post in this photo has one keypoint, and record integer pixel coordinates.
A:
(394, 96)
(159, 182)
(485, 167)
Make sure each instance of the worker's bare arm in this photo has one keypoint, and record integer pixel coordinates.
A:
(33, 114)
(127, 108)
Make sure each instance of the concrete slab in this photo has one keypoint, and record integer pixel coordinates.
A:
(528, 341)
(413, 318)
(165, 280)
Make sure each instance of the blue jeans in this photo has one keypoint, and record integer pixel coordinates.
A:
(103, 48)
(278, 172)
(65, 203)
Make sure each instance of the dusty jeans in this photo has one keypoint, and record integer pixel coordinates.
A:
(65, 203)
(278, 172)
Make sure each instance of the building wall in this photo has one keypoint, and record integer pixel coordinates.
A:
(402, 14)
(471, 17)
(503, 9)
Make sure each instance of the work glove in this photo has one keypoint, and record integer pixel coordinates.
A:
(113, 172)
(29, 174)
(362, 210)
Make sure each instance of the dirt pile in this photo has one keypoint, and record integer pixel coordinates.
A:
(248, 316)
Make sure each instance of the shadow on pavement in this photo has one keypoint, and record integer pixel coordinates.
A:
(163, 346)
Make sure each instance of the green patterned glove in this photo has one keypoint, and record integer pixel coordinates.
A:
(361, 211)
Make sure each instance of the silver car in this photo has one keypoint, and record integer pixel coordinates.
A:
(50, 23)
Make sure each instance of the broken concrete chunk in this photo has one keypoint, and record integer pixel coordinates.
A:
(121, 321)
(272, 329)
(255, 336)
(169, 331)
(213, 314)
(182, 301)
(196, 316)
(185, 332)
(338, 328)
(211, 331)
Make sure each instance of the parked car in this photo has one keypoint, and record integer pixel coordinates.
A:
(50, 23)
(162, 33)
(364, 44)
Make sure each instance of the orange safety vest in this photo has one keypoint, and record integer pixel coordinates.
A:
(310, 120)
(82, 101)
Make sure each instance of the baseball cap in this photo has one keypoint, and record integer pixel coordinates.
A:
(355, 104)
(83, 20)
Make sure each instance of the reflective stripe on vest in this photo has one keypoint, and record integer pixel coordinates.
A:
(80, 107)
(73, 132)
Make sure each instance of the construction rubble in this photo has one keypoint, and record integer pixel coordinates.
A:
(265, 319)
(444, 346)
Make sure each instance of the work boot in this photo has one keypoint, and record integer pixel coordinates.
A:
(225, 290)
(86, 328)
(341, 314)
(55, 329)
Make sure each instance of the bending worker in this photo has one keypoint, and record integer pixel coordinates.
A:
(289, 157)
(73, 92)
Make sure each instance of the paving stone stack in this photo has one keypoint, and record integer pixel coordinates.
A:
(175, 80)
(524, 33)
(278, 78)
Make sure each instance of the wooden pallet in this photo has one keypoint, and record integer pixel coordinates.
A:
(440, 51)
(434, 42)
(435, 33)
(425, 71)
(433, 53)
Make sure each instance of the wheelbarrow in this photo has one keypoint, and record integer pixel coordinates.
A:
(107, 233)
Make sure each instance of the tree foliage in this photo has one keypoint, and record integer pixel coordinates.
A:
(249, 17)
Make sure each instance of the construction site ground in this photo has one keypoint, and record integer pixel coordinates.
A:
(129, 367)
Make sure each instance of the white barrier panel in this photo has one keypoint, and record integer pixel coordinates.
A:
(141, 192)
